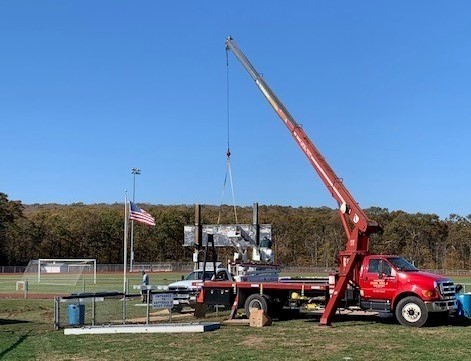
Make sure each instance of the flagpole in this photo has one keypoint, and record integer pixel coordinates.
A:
(134, 171)
(125, 258)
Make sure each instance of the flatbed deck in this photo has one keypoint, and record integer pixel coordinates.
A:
(282, 284)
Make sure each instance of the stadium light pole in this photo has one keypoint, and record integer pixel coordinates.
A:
(134, 172)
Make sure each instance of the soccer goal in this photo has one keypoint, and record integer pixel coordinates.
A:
(60, 271)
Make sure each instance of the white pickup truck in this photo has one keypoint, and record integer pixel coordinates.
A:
(186, 290)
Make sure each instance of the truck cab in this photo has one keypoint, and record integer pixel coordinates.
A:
(390, 284)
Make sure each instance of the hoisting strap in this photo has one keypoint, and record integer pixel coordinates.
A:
(228, 172)
(227, 102)
(228, 153)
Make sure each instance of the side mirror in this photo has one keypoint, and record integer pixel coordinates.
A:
(183, 277)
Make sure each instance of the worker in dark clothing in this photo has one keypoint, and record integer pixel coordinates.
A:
(144, 284)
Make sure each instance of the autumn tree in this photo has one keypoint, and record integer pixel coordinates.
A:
(14, 237)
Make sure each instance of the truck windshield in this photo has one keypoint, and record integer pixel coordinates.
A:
(198, 275)
(401, 264)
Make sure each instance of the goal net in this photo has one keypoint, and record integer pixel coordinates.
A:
(56, 271)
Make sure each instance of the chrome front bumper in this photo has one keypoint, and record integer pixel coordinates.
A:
(441, 306)
(184, 298)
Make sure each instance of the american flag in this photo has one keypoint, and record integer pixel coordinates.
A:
(139, 215)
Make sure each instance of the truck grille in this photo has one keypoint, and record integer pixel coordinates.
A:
(447, 289)
(181, 289)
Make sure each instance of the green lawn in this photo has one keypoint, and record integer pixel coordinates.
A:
(114, 282)
(26, 333)
(105, 282)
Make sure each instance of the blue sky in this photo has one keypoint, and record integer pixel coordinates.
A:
(90, 89)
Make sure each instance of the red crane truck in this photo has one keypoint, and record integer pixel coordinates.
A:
(387, 284)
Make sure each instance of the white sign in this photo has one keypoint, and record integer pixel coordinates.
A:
(162, 300)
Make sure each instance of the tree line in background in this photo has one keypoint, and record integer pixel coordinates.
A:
(302, 236)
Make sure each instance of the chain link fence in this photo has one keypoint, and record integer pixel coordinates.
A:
(114, 308)
(114, 268)
(188, 266)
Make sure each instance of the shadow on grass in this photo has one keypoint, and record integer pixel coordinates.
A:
(4, 321)
(374, 319)
(459, 321)
(14, 345)
(349, 318)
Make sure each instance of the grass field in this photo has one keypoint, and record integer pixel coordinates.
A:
(114, 282)
(26, 333)
(105, 282)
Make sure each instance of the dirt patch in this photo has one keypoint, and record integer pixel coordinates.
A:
(161, 316)
(36, 296)
(255, 342)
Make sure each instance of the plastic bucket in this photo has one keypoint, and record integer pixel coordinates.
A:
(464, 304)
(76, 314)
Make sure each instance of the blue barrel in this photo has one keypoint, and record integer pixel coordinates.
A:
(464, 304)
(76, 314)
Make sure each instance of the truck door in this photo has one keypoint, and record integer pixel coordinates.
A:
(378, 281)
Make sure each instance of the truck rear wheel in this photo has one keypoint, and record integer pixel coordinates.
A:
(411, 311)
(257, 301)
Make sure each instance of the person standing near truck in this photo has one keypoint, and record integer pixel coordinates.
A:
(144, 284)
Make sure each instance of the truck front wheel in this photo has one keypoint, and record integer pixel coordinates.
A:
(411, 311)
(177, 309)
(257, 301)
